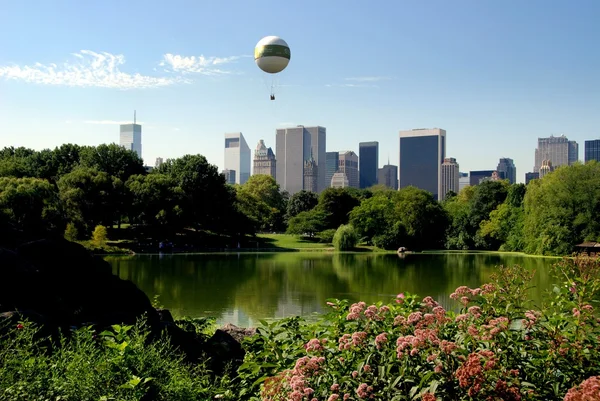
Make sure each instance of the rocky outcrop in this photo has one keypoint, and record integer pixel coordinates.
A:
(60, 286)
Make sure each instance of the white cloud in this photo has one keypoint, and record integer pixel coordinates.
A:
(91, 69)
(201, 65)
(368, 79)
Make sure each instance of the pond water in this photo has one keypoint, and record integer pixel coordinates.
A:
(243, 288)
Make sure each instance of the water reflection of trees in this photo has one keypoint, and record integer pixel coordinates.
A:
(273, 285)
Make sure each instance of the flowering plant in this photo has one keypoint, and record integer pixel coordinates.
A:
(497, 347)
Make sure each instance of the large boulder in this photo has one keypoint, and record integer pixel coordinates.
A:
(60, 285)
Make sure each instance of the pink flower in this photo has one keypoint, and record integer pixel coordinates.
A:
(335, 387)
(576, 312)
(333, 397)
(380, 340)
(400, 298)
(354, 374)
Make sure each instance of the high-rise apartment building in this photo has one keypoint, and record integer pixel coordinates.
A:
(592, 150)
(558, 149)
(388, 176)
(158, 162)
(476, 177)
(237, 156)
(507, 170)
(229, 176)
(293, 148)
(546, 168)
(130, 136)
(332, 162)
(348, 165)
(450, 176)
(422, 152)
(339, 180)
(311, 175)
(531, 176)
(368, 160)
(264, 160)
(463, 181)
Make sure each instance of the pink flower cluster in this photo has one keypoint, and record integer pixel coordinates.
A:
(464, 292)
(364, 391)
(531, 317)
(371, 313)
(421, 339)
(470, 374)
(380, 340)
(295, 379)
(588, 390)
(349, 340)
(315, 345)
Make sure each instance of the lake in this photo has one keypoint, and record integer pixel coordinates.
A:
(243, 288)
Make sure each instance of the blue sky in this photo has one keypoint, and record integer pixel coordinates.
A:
(495, 74)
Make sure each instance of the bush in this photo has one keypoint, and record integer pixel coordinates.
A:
(327, 236)
(117, 364)
(345, 238)
(100, 235)
(496, 348)
(71, 232)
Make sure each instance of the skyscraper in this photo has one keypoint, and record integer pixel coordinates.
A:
(293, 148)
(237, 156)
(450, 176)
(131, 136)
(348, 165)
(558, 149)
(592, 150)
(476, 177)
(422, 152)
(388, 176)
(368, 159)
(264, 160)
(463, 181)
(507, 170)
(332, 161)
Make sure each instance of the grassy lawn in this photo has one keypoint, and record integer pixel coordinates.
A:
(290, 242)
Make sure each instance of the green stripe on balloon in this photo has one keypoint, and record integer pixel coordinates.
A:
(272, 50)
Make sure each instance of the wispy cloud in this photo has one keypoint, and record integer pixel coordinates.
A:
(368, 79)
(199, 65)
(89, 69)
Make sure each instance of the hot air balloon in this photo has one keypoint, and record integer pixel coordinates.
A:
(272, 55)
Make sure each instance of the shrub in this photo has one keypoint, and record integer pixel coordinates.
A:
(71, 232)
(327, 236)
(100, 235)
(496, 348)
(345, 238)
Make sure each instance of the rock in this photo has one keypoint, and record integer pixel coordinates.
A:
(61, 286)
(238, 333)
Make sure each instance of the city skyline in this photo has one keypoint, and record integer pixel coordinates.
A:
(495, 75)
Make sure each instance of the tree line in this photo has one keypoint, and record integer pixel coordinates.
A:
(86, 186)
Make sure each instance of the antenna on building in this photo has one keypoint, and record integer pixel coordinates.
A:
(134, 117)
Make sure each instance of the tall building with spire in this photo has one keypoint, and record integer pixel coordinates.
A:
(311, 174)
(130, 136)
(264, 160)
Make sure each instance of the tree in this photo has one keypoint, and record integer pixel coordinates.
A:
(337, 203)
(373, 215)
(88, 198)
(100, 235)
(112, 159)
(345, 238)
(261, 199)
(155, 199)
(29, 204)
(422, 217)
(302, 201)
(307, 223)
(561, 209)
(207, 202)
